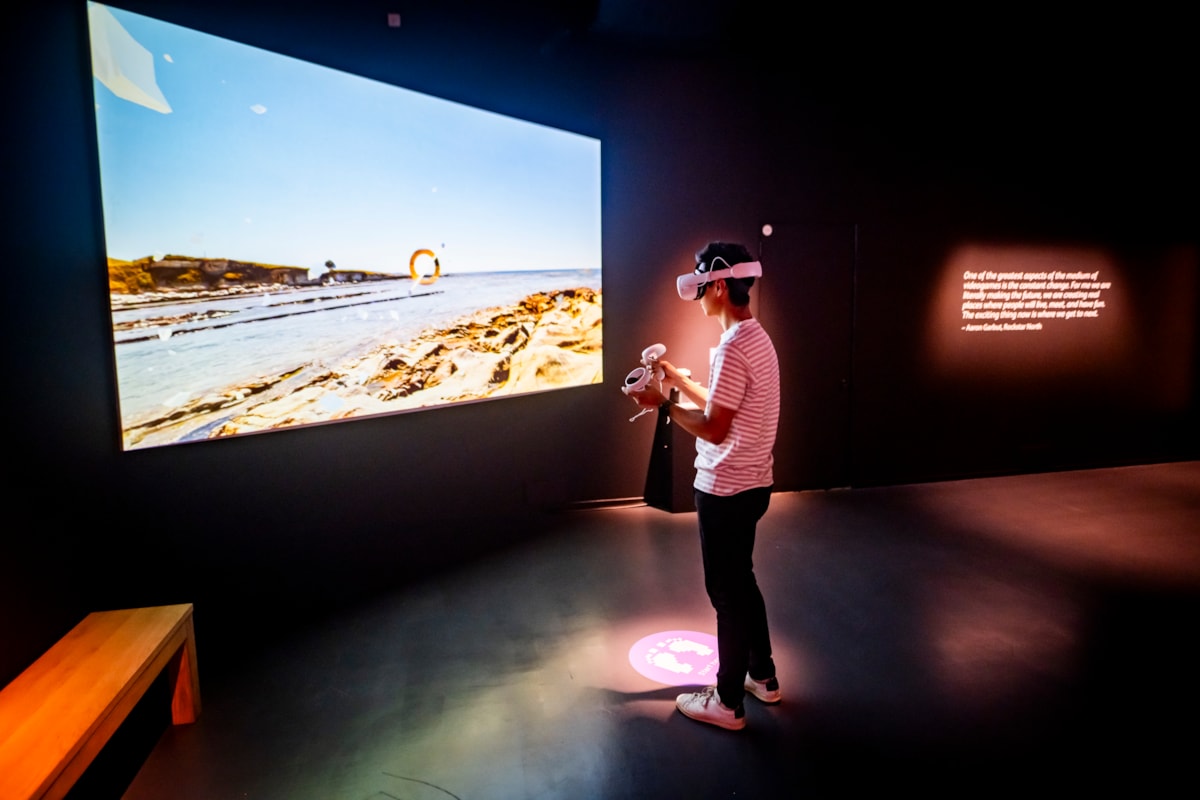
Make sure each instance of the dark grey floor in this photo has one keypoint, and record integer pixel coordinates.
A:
(972, 638)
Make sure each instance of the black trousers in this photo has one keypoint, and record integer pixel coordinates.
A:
(727, 528)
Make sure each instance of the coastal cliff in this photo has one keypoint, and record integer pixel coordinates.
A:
(149, 275)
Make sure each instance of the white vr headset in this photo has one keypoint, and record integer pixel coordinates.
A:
(691, 286)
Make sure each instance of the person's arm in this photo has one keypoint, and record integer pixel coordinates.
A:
(710, 424)
(713, 420)
(684, 383)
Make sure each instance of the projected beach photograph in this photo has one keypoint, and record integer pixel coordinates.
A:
(289, 244)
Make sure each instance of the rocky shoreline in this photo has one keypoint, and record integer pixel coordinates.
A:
(545, 341)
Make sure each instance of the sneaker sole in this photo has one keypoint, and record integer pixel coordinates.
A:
(769, 700)
(736, 725)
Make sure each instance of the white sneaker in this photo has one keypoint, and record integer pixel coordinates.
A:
(766, 691)
(705, 706)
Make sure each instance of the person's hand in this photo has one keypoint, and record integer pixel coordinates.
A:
(649, 397)
(673, 375)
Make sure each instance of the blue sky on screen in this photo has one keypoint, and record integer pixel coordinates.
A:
(267, 158)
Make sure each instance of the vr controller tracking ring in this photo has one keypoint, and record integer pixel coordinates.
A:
(639, 377)
(636, 380)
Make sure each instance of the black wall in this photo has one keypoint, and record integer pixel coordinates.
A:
(873, 146)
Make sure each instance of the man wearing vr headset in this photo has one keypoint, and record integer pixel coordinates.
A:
(734, 424)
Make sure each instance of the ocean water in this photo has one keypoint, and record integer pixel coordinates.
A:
(188, 349)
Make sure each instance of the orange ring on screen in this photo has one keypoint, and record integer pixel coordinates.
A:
(420, 279)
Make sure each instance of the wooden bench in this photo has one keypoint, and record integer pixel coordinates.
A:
(57, 714)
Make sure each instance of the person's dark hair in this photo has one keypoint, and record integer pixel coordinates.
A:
(731, 253)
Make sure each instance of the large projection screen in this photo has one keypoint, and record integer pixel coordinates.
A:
(290, 244)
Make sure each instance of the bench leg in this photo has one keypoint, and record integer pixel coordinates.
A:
(185, 681)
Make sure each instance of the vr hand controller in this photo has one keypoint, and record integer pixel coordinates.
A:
(639, 378)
